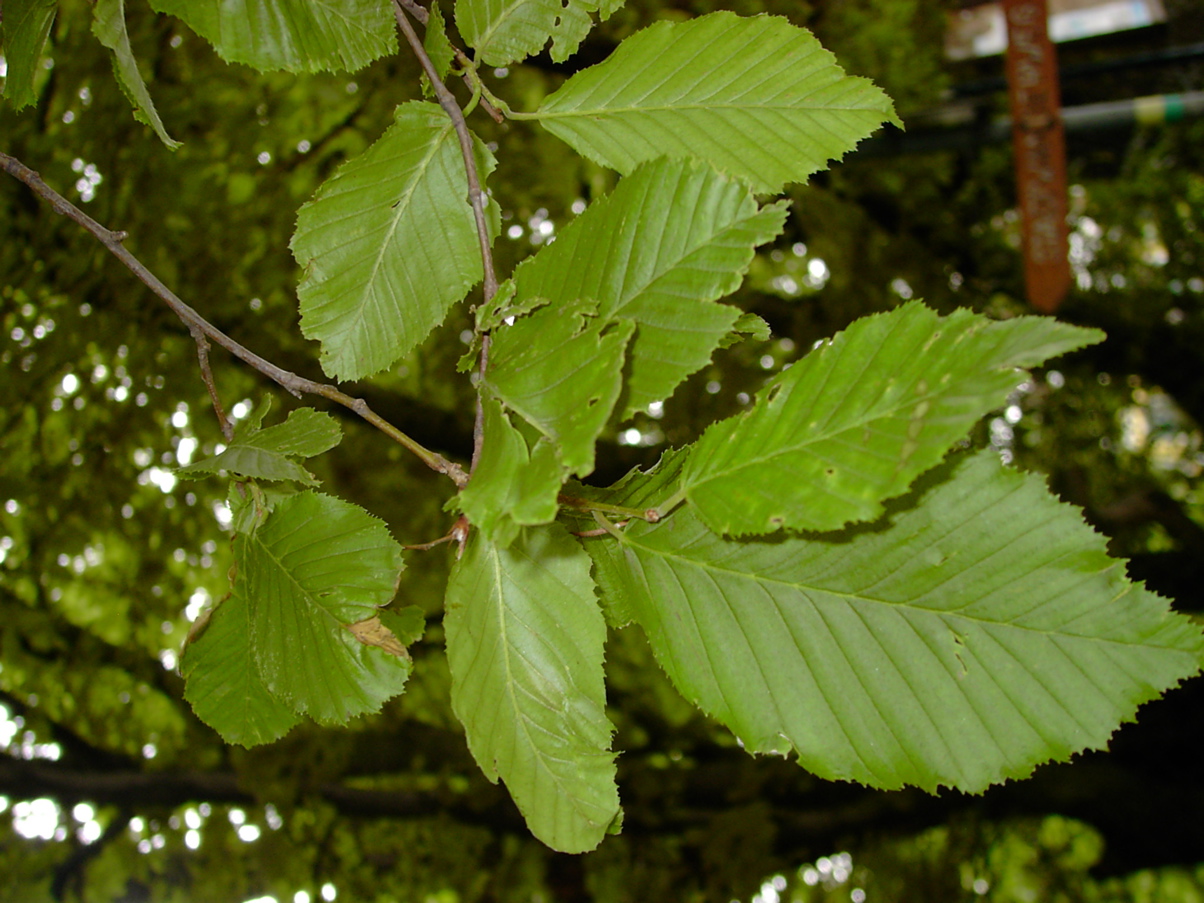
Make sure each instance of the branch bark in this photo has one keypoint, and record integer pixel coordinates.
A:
(476, 197)
(202, 328)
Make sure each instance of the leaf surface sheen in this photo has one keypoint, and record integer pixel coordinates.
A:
(856, 420)
(672, 237)
(506, 31)
(985, 632)
(780, 110)
(314, 567)
(389, 244)
(294, 35)
(525, 643)
(223, 685)
(109, 27)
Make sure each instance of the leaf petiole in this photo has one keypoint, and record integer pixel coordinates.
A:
(570, 501)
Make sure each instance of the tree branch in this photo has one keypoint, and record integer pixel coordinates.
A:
(423, 15)
(199, 326)
(476, 197)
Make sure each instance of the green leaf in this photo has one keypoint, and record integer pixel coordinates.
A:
(779, 111)
(295, 35)
(222, 684)
(749, 326)
(669, 240)
(313, 569)
(437, 47)
(408, 624)
(506, 31)
(388, 244)
(26, 25)
(109, 27)
(514, 483)
(265, 454)
(561, 369)
(525, 646)
(985, 632)
(855, 421)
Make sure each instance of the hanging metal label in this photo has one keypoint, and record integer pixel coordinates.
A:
(1040, 151)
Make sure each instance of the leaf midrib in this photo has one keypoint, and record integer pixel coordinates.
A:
(694, 107)
(853, 598)
(521, 719)
(403, 204)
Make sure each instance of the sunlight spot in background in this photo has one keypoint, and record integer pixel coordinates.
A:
(90, 176)
(196, 603)
(329, 892)
(829, 871)
(786, 285)
(817, 272)
(301, 896)
(541, 227)
(8, 728)
(185, 450)
(26, 747)
(89, 829)
(38, 819)
(771, 890)
(164, 479)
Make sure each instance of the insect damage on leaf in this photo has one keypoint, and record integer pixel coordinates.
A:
(371, 632)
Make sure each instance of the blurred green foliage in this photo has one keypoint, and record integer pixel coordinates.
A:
(105, 558)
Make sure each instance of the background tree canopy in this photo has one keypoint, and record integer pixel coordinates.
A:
(107, 555)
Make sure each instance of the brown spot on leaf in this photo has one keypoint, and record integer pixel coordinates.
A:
(372, 632)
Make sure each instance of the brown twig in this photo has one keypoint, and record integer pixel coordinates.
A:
(291, 382)
(422, 15)
(202, 354)
(476, 197)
